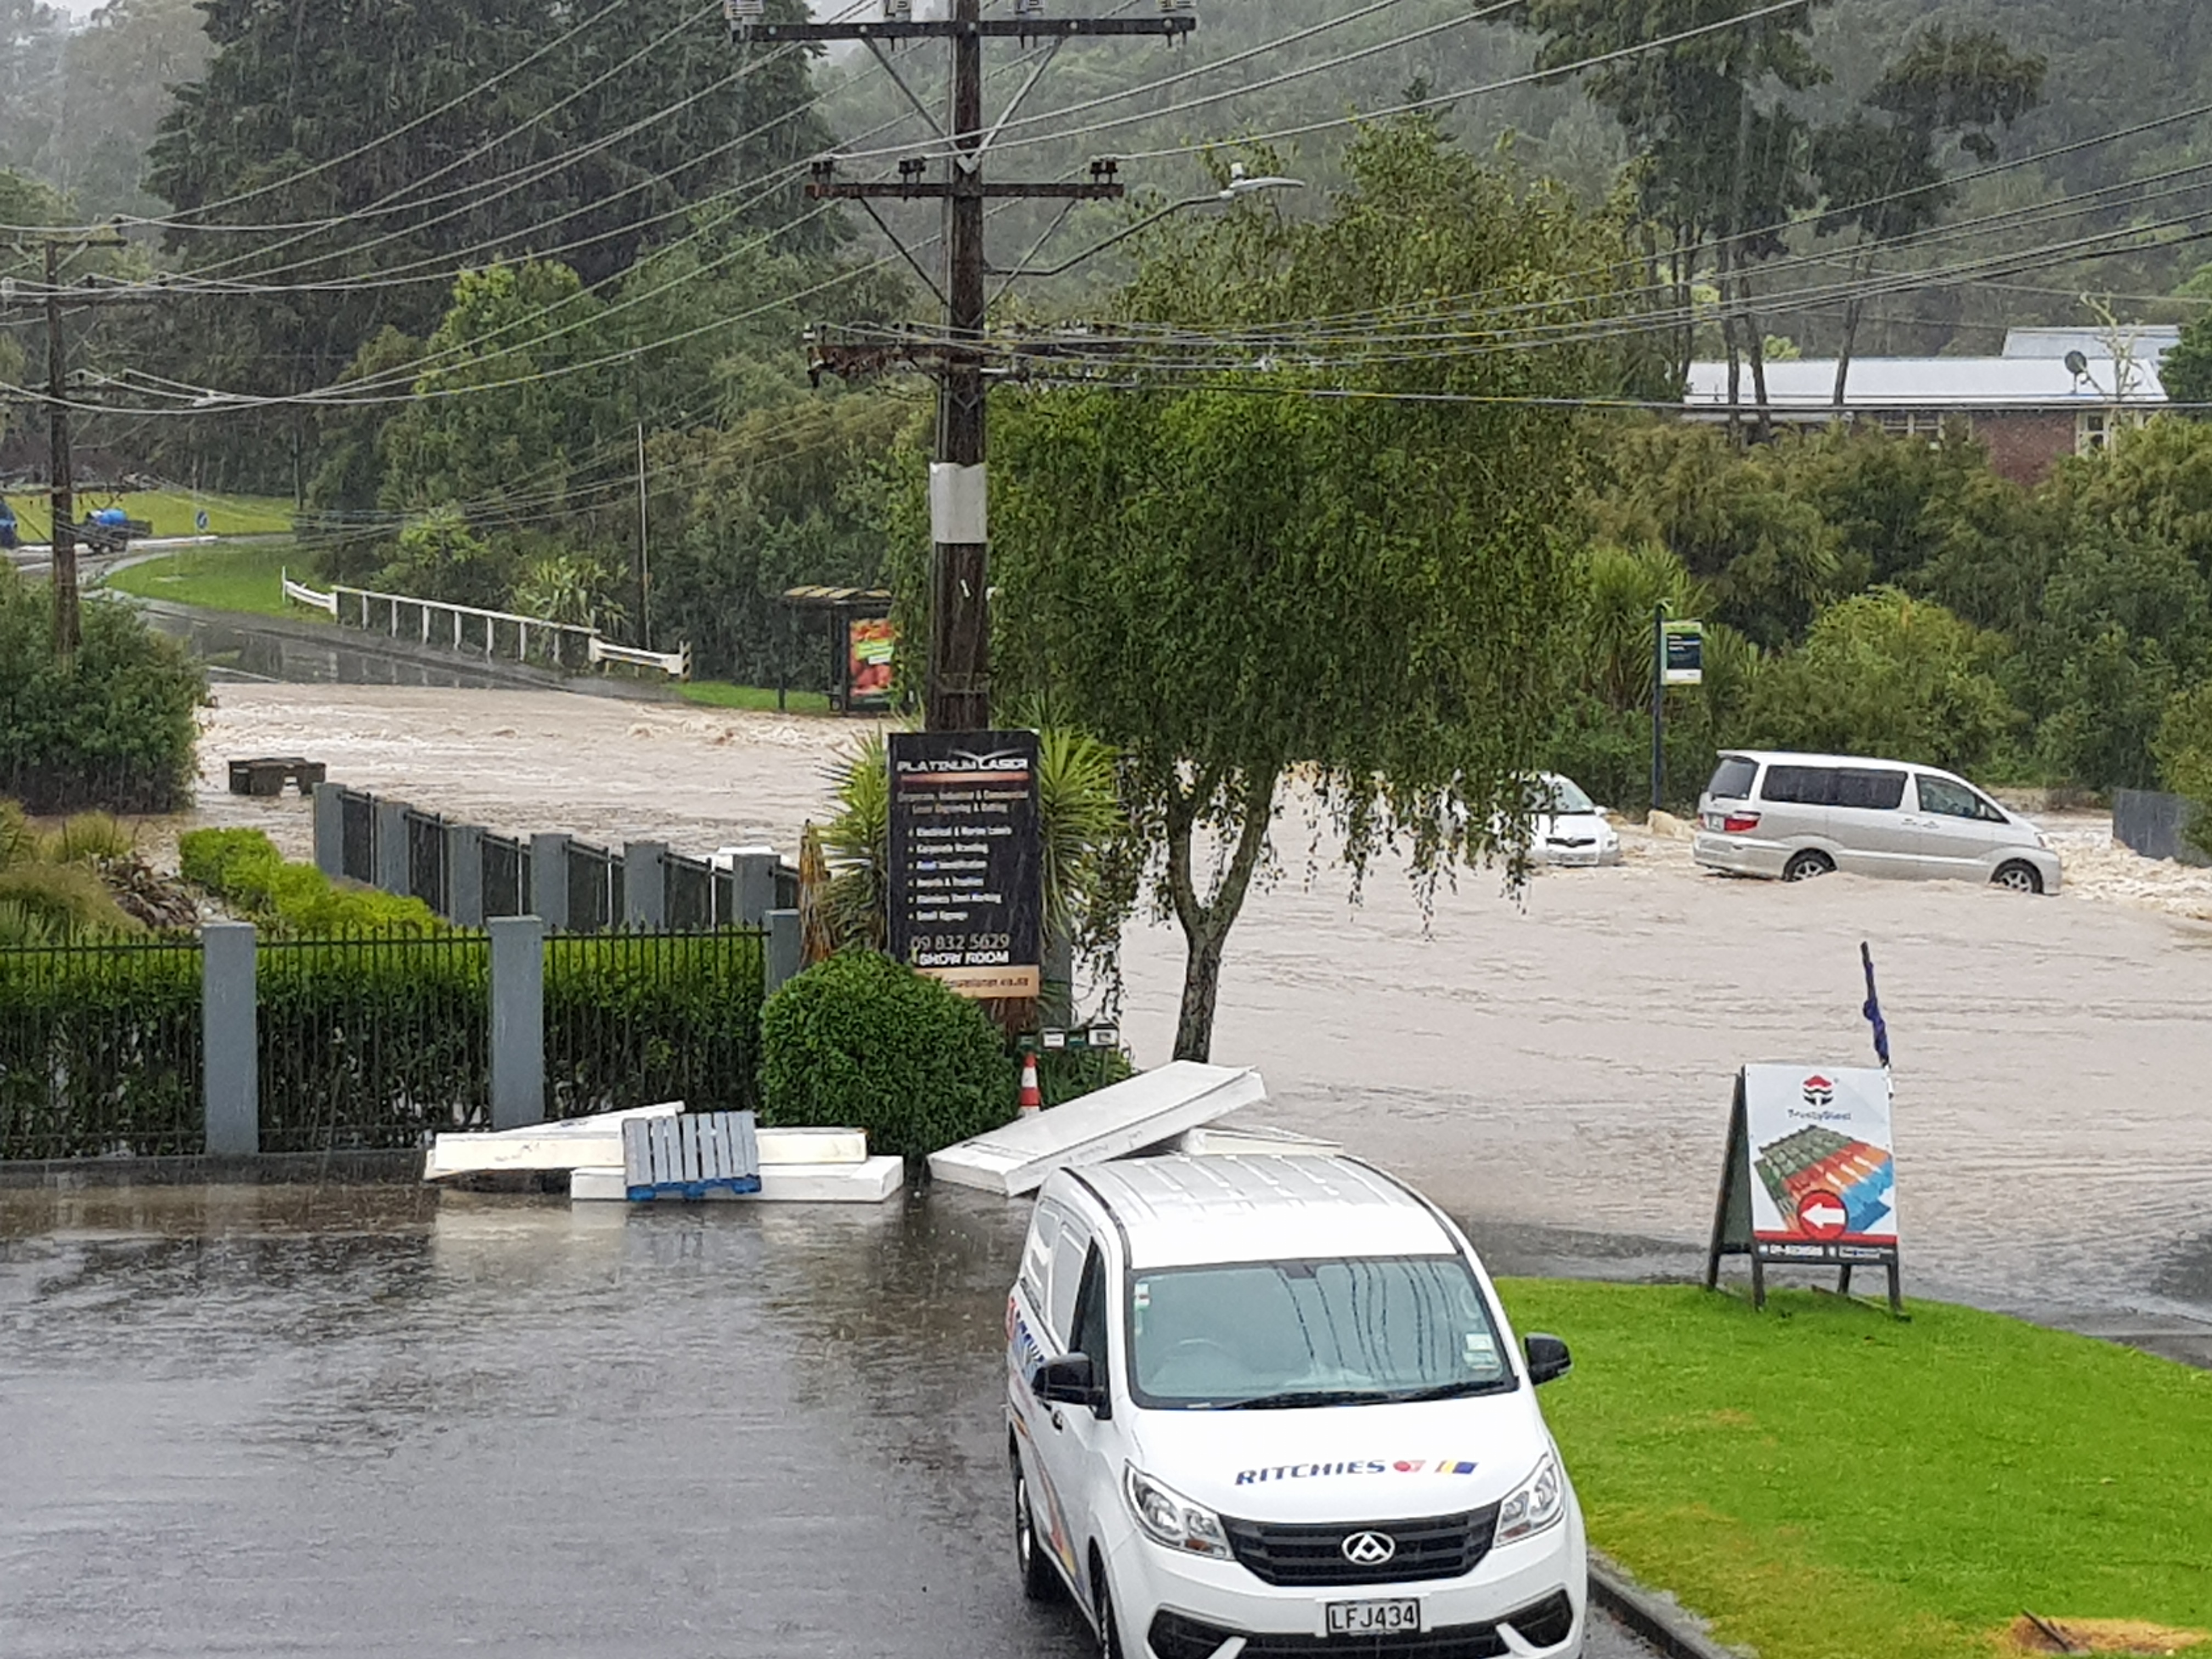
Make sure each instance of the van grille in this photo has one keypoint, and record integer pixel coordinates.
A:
(1435, 1547)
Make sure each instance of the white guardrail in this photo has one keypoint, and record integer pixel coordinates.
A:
(468, 619)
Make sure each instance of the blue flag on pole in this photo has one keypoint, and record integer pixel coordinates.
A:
(1873, 1008)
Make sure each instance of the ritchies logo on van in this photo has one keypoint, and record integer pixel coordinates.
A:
(1356, 1466)
(1818, 1092)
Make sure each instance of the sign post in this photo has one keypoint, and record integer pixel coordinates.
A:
(1809, 1178)
(966, 865)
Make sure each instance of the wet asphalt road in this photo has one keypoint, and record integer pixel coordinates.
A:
(374, 1421)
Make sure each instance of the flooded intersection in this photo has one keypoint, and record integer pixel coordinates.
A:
(378, 1422)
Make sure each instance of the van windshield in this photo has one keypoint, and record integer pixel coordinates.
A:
(1366, 1331)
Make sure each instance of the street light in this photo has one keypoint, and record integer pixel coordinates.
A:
(1239, 186)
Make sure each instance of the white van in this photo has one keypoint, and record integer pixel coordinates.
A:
(1269, 1406)
(1792, 816)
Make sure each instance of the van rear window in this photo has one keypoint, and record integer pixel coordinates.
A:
(1732, 779)
(1801, 786)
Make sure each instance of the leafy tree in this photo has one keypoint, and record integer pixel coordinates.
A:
(1720, 168)
(2184, 755)
(439, 557)
(1229, 584)
(2186, 371)
(1885, 673)
(1884, 177)
(366, 124)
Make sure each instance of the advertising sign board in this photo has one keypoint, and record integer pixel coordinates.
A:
(870, 644)
(966, 893)
(1810, 1175)
(1686, 654)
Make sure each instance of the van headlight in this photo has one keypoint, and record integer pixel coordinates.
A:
(1169, 1518)
(1535, 1503)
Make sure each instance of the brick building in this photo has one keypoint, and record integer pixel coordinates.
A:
(2054, 392)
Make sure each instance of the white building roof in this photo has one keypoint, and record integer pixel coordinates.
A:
(1962, 383)
(2147, 343)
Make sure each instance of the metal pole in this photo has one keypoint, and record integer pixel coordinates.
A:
(959, 688)
(1658, 705)
(644, 567)
(62, 484)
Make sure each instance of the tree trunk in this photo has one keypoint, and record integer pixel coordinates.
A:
(1205, 922)
(1201, 989)
(1755, 343)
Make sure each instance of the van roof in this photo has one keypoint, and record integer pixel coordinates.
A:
(1184, 1210)
(1791, 757)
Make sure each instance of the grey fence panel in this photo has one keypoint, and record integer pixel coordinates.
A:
(2156, 826)
(787, 887)
(426, 859)
(726, 898)
(688, 884)
(594, 897)
(357, 835)
(506, 877)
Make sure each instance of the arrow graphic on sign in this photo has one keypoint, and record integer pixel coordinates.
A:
(1822, 1215)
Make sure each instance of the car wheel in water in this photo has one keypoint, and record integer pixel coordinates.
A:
(2020, 877)
(1803, 866)
(1039, 1582)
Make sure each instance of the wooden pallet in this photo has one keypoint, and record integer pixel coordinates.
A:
(690, 1155)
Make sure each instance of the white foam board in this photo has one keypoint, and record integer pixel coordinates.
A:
(870, 1182)
(1145, 1110)
(568, 1144)
(594, 1142)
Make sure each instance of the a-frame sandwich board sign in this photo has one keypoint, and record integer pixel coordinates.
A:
(1810, 1178)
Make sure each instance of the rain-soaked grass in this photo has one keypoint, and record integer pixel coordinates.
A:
(170, 511)
(720, 693)
(242, 577)
(1824, 1482)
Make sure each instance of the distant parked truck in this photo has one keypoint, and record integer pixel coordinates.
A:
(8, 527)
(111, 530)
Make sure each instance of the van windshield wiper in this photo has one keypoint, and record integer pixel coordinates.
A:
(1298, 1398)
(1454, 1390)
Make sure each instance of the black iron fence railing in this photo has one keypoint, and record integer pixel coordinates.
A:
(426, 859)
(100, 1051)
(357, 835)
(631, 1019)
(374, 1041)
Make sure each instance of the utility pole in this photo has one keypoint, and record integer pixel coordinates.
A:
(1658, 706)
(644, 564)
(61, 497)
(957, 695)
(61, 509)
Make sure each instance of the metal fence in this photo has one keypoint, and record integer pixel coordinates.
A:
(101, 1050)
(357, 835)
(595, 888)
(631, 1019)
(425, 860)
(374, 1041)
(505, 865)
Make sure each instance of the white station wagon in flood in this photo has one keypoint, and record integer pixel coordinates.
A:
(1793, 816)
(1269, 1406)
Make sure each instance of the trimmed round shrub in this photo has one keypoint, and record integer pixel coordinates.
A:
(860, 1042)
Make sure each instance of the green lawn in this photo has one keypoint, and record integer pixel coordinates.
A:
(720, 693)
(1823, 1482)
(169, 511)
(236, 578)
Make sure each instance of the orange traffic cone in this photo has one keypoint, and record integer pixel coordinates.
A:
(1032, 1096)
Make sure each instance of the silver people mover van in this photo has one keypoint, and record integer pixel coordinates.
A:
(1794, 816)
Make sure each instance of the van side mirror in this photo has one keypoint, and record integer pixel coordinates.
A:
(1548, 1358)
(1068, 1381)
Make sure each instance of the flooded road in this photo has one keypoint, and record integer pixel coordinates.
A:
(382, 1422)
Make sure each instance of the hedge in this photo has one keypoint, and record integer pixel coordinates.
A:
(243, 868)
(861, 1041)
(114, 728)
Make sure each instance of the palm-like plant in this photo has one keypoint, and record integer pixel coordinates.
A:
(51, 889)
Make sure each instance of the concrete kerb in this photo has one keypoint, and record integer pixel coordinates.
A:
(1654, 1615)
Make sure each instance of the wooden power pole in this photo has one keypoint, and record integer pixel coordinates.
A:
(957, 696)
(61, 496)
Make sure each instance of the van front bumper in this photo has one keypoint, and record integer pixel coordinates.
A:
(1175, 1606)
(1738, 855)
